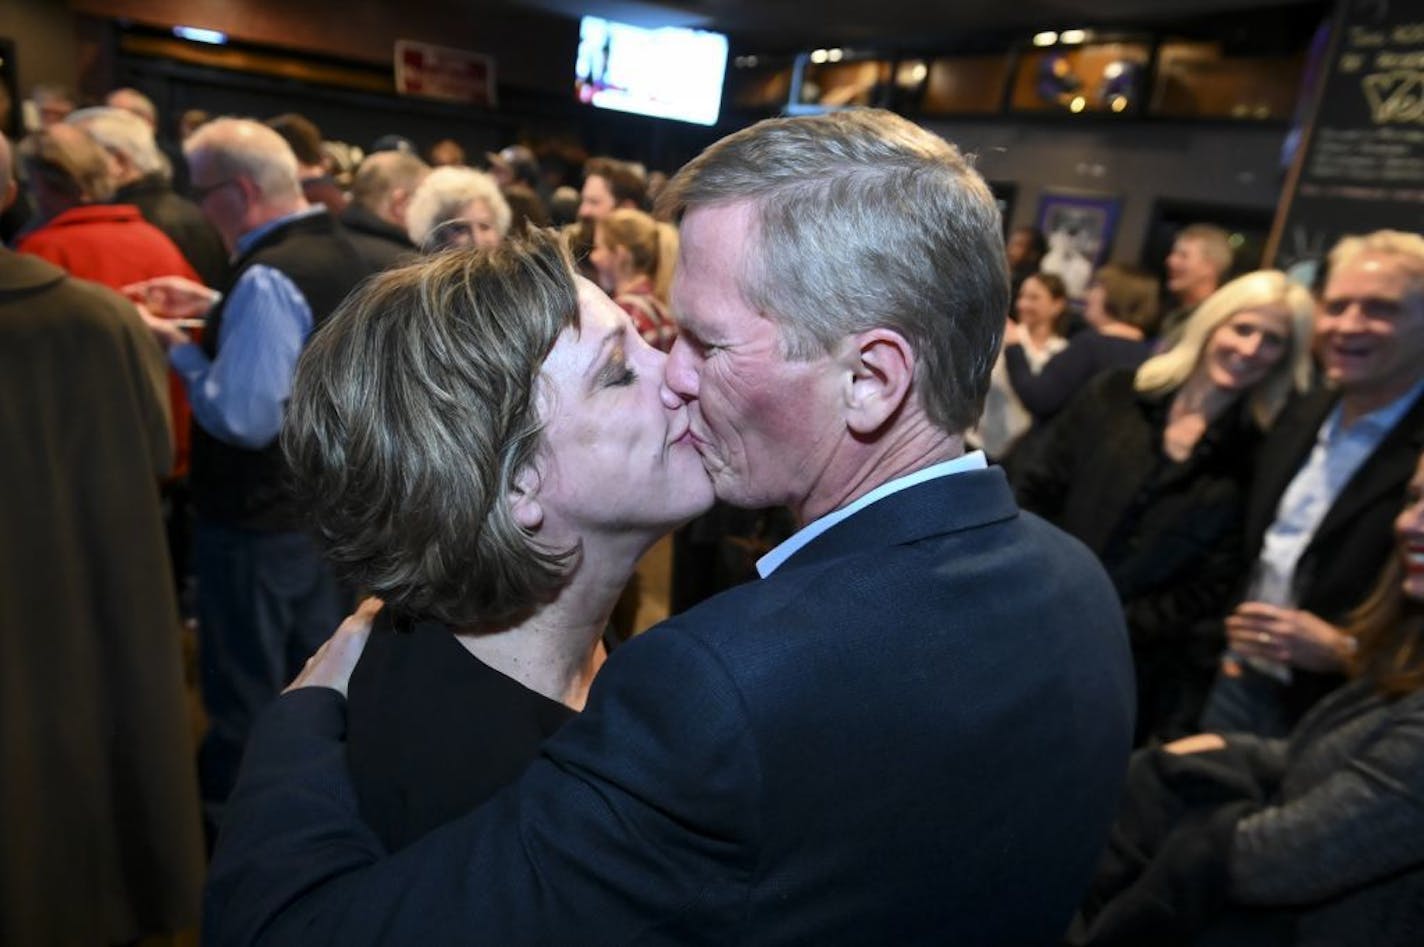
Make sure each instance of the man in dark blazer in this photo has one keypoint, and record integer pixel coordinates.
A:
(912, 729)
(1330, 479)
(380, 195)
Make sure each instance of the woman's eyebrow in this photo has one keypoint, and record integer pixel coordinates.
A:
(609, 341)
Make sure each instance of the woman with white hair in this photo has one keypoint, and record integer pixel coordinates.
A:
(1149, 469)
(457, 207)
(144, 178)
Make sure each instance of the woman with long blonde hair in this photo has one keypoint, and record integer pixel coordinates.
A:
(1149, 468)
(634, 256)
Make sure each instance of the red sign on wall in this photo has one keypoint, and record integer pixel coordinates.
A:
(438, 72)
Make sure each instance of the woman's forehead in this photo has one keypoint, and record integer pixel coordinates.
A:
(579, 345)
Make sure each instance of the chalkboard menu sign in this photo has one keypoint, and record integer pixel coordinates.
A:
(1361, 166)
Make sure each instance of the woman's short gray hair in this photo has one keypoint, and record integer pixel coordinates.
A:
(866, 220)
(445, 193)
(413, 411)
(122, 131)
(1264, 289)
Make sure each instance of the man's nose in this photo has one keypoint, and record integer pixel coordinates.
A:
(679, 374)
(1353, 315)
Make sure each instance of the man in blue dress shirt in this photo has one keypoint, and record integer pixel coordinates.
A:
(265, 597)
(1330, 479)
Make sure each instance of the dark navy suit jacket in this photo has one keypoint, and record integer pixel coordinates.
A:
(914, 731)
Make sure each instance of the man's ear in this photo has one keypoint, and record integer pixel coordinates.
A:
(880, 371)
(248, 189)
(524, 499)
(397, 204)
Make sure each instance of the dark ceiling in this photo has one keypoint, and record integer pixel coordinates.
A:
(791, 25)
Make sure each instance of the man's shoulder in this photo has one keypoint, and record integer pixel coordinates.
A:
(939, 575)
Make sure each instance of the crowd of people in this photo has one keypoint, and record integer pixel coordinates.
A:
(1093, 625)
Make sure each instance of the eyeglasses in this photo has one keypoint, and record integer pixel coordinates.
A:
(202, 192)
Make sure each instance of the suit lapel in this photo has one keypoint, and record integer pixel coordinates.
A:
(1281, 457)
(943, 505)
(1386, 469)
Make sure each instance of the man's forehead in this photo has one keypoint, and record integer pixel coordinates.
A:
(1382, 271)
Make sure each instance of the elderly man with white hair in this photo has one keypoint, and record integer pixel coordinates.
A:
(265, 596)
(145, 179)
(136, 103)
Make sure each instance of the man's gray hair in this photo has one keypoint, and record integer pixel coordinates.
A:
(121, 130)
(383, 172)
(1215, 245)
(448, 191)
(1407, 249)
(866, 220)
(240, 146)
(135, 103)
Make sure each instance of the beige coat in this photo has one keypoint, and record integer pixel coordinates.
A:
(98, 793)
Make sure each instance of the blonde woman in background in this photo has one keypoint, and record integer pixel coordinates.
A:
(634, 256)
(1150, 467)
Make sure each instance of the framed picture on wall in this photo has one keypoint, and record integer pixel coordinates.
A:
(1079, 229)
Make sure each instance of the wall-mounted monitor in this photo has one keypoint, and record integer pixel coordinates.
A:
(670, 72)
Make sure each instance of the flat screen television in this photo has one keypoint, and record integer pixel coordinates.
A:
(672, 72)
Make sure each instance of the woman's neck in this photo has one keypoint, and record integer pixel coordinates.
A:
(1038, 334)
(1198, 395)
(557, 649)
(628, 282)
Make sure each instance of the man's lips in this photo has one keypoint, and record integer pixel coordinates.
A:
(1345, 350)
(683, 436)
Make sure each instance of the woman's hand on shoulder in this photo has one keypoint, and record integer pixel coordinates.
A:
(334, 661)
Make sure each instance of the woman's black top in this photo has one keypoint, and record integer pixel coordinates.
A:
(433, 732)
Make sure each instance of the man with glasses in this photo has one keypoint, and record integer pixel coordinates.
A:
(1331, 477)
(265, 597)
